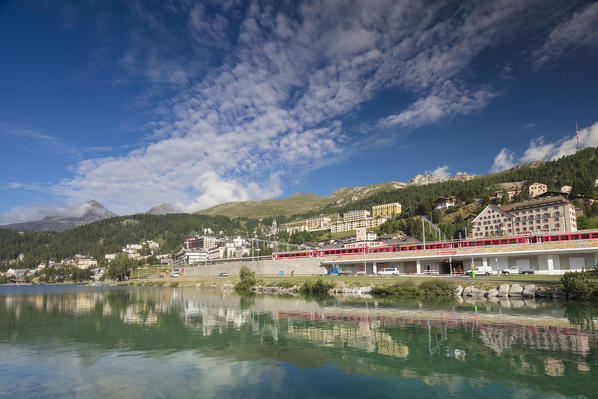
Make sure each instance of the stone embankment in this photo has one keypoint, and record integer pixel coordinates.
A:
(510, 291)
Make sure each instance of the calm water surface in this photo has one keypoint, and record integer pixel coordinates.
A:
(70, 341)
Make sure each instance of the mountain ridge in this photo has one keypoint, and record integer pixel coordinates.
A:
(92, 211)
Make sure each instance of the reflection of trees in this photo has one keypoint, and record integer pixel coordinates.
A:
(583, 315)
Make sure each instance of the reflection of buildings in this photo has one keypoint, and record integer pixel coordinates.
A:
(505, 339)
(364, 336)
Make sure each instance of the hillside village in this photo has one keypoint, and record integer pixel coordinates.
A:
(544, 212)
(506, 208)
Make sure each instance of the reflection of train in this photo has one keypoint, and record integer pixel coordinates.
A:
(582, 235)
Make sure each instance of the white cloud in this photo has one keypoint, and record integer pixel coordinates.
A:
(444, 102)
(20, 214)
(441, 171)
(539, 150)
(503, 161)
(577, 31)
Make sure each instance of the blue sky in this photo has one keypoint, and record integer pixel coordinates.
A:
(135, 103)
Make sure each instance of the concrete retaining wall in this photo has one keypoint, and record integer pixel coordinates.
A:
(301, 267)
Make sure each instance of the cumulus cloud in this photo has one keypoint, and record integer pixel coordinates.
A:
(576, 31)
(503, 161)
(539, 150)
(441, 171)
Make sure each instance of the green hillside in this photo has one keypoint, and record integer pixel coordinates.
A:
(295, 204)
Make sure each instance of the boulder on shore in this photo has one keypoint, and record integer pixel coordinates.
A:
(503, 290)
(516, 290)
(492, 293)
(529, 291)
(458, 291)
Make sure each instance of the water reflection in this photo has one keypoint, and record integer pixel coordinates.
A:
(530, 345)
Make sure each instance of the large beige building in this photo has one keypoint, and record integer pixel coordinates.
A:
(386, 210)
(368, 223)
(554, 214)
(318, 223)
(353, 216)
(536, 189)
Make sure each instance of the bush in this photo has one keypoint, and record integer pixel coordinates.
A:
(246, 274)
(173, 284)
(402, 288)
(248, 279)
(581, 285)
(320, 286)
(436, 287)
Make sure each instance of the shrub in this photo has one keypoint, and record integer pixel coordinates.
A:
(248, 279)
(436, 287)
(580, 285)
(246, 274)
(402, 288)
(320, 286)
(173, 284)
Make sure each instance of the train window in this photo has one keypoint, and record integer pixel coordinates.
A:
(479, 243)
(494, 242)
(564, 238)
(585, 236)
(512, 241)
(594, 235)
(487, 242)
(420, 247)
(574, 236)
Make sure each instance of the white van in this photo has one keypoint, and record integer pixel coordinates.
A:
(389, 271)
(484, 270)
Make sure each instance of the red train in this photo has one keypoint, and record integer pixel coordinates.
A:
(581, 235)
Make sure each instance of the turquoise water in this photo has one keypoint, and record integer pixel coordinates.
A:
(68, 341)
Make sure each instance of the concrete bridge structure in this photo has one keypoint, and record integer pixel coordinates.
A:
(542, 258)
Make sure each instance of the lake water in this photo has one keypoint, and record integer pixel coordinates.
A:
(69, 341)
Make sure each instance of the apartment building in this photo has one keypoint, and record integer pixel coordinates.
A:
(554, 214)
(200, 243)
(386, 210)
(368, 223)
(318, 223)
(536, 189)
(492, 221)
(353, 216)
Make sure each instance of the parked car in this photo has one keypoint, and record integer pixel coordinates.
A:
(517, 270)
(362, 273)
(222, 274)
(389, 271)
(485, 270)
